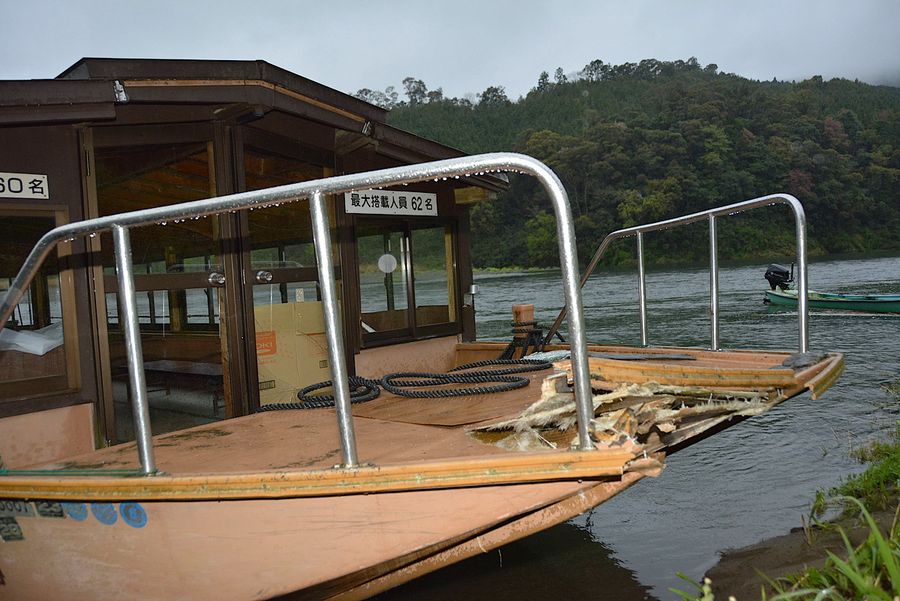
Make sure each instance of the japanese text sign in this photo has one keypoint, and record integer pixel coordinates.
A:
(24, 185)
(390, 202)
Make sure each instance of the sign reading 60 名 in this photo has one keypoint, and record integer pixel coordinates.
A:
(24, 185)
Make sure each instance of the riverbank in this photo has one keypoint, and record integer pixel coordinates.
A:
(742, 573)
(747, 573)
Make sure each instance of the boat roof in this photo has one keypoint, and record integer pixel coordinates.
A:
(95, 89)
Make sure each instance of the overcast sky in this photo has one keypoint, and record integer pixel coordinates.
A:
(463, 46)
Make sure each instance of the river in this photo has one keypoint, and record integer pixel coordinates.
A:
(748, 483)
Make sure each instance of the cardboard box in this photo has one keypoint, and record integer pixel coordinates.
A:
(291, 349)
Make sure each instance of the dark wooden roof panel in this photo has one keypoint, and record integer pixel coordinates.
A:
(164, 69)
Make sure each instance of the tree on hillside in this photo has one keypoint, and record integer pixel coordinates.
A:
(416, 90)
(560, 77)
(493, 96)
(595, 70)
(387, 99)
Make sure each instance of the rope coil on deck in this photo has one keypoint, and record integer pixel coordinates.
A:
(397, 383)
(361, 390)
(524, 365)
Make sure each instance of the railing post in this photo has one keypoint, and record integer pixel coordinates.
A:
(713, 284)
(334, 335)
(802, 279)
(139, 405)
(642, 288)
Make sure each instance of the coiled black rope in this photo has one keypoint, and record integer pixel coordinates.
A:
(361, 390)
(521, 366)
(398, 383)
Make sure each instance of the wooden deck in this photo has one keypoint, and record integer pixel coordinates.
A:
(389, 430)
(408, 443)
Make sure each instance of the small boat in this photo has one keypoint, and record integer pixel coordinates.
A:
(780, 294)
(284, 501)
(870, 303)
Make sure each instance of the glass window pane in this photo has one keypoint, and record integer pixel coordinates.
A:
(132, 178)
(433, 271)
(32, 344)
(382, 278)
(202, 305)
(177, 312)
(300, 255)
(281, 235)
(304, 291)
(288, 317)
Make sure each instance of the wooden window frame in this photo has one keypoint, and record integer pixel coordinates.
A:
(23, 390)
(413, 331)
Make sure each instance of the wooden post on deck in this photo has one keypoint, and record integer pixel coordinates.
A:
(522, 314)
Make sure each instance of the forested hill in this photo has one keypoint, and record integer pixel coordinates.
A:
(645, 141)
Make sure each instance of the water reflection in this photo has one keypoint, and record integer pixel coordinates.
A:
(564, 562)
(738, 487)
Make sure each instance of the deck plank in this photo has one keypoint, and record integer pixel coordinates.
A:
(299, 439)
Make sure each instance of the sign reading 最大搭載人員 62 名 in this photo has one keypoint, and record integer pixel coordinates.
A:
(24, 185)
(389, 202)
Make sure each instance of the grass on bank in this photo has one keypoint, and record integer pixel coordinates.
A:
(869, 570)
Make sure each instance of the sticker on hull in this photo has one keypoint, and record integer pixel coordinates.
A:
(49, 509)
(76, 511)
(132, 513)
(11, 508)
(105, 513)
(10, 530)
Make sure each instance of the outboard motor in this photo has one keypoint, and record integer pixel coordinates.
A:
(779, 276)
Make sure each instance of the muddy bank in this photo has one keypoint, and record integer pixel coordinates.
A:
(738, 571)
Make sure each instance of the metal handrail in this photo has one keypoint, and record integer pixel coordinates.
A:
(710, 214)
(315, 191)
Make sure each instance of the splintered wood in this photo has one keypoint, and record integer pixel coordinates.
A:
(652, 415)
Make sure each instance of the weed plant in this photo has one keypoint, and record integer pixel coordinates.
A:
(870, 570)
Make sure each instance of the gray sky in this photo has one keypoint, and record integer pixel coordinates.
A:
(463, 46)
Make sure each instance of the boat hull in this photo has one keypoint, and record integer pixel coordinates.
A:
(354, 546)
(222, 523)
(885, 303)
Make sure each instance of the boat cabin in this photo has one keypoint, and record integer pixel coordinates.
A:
(229, 305)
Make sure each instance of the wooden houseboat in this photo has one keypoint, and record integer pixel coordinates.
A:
(188, 246)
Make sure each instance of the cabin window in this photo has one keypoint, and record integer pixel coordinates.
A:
(288, 316)
(407, 274)
(172, 261)
(178, 302)
(37, 345)
(434, 276)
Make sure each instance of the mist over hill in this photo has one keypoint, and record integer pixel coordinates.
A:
(640, 142)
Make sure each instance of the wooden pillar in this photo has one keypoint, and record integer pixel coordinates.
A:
(522, 314)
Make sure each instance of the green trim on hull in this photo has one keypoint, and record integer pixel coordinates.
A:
(873, 303)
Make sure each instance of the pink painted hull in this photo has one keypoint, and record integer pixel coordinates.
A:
(252, 549)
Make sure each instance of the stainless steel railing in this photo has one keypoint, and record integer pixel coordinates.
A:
(710, 215)
(315, 191)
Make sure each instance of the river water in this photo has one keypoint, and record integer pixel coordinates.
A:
(753, 481)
